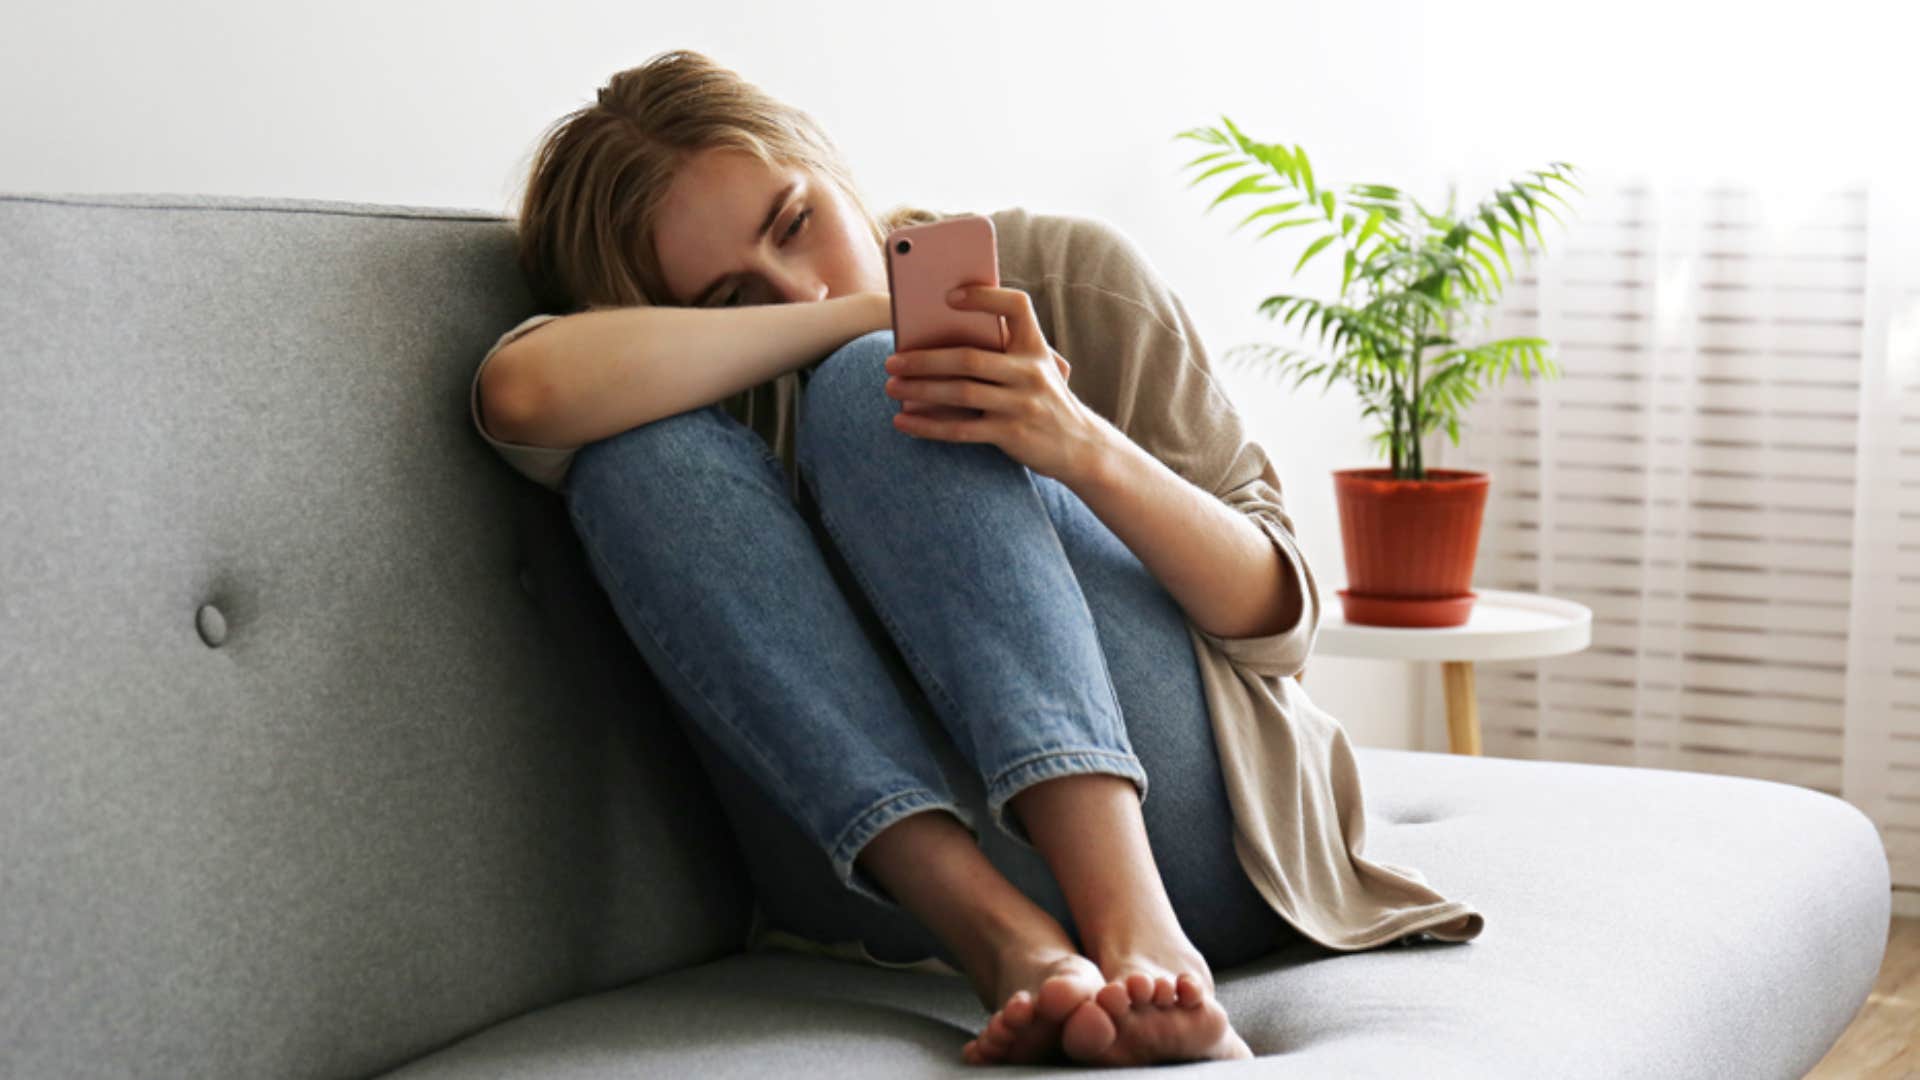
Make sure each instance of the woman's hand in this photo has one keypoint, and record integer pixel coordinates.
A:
(1018, 400)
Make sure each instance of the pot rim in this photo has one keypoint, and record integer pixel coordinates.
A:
(1436, 477)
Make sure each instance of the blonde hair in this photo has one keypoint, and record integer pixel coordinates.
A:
(585, 228)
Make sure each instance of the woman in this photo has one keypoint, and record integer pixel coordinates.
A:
(932, 650)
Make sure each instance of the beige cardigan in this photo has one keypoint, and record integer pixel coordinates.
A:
(1138, 361)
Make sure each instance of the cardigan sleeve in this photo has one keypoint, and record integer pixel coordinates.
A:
(1164, 397)
(1236, 469)
(545, 465)
(1283, 652)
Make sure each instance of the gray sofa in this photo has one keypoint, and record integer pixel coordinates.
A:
(325, 757)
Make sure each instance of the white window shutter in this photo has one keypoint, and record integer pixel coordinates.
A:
(1728, 473)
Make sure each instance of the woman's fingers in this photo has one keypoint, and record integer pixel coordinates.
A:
(936, 411)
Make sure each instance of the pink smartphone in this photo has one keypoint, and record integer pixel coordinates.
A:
(923, 263)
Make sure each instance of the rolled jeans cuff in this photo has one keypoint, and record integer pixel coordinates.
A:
(875, 820)
(1048, 764)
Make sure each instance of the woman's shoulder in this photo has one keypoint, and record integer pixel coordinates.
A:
(1036, 244)
(1082, 253)
(1059, 240)
(1042, 250)
(1078, 248)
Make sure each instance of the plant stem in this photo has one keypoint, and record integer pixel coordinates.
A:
(1395, 445)
(1398, 408)
(1415, 469)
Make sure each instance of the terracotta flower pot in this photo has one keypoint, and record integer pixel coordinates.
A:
(1410, 545)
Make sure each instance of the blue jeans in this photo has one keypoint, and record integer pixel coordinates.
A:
(934, 627)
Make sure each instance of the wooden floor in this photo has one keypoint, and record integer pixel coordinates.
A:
(1884, 1040)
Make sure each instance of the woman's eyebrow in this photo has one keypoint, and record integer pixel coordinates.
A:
(773, 211)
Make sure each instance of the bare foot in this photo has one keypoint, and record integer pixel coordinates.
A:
(1151, 1011)
(1038, 988)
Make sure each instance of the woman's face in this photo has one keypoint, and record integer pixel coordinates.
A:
(733, 232)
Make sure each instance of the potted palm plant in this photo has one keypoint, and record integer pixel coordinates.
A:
(1412, 279)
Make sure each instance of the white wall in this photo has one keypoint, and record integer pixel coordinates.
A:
(1058, 107)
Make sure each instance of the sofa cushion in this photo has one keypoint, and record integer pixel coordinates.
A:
(321, 750)
(1651, 924)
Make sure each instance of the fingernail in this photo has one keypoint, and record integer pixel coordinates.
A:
(956, 296)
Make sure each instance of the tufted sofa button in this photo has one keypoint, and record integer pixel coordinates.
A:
(211, 624)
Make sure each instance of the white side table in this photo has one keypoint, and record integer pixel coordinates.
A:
(1503, 625)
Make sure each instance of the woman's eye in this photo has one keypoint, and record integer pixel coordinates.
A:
(791, 230)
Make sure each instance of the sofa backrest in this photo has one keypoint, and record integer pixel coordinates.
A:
(322, 748)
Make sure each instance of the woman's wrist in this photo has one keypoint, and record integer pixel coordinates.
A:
(876, 311)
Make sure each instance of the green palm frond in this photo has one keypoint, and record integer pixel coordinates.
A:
(1409, 277)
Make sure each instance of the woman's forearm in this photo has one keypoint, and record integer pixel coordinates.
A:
(593, 374)
(1219, 566)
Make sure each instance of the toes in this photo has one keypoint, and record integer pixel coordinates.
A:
(1000, 1041)
(1140, 988)
(1191, 993)
(1088, 1030)
(1163, 992)
(1115, 999)
(999, 1032)
(985, 1050)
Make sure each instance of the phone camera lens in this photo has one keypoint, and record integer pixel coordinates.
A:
(903, 246)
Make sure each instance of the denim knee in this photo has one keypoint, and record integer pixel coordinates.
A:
(846, 408)
(863, 359)
(651, 456)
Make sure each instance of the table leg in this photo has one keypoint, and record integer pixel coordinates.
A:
(1463, 717)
